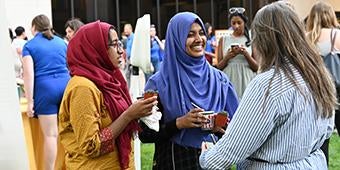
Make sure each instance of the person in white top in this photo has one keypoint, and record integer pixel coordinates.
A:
(17, 45)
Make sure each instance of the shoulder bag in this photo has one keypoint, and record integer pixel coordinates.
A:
(332, 61)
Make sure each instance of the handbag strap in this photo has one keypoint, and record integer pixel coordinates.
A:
(333, 40)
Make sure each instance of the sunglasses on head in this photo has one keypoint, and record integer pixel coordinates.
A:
(236, 10)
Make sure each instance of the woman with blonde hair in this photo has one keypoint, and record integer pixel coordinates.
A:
(322, 26)
(287, 110)
(321, 20)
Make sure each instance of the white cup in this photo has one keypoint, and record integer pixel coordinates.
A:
(210, 116)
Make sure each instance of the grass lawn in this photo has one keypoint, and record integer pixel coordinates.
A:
(147, 156)
(334, 154)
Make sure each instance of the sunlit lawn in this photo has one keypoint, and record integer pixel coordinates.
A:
(334, 154)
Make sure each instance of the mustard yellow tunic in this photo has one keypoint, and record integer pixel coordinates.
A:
(82, 116)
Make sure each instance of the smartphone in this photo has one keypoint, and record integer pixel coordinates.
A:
(233, 45)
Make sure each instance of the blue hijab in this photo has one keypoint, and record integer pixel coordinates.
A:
(183, 79)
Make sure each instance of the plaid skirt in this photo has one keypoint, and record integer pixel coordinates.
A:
(171, 156)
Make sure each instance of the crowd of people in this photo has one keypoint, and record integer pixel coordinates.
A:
(271, 80)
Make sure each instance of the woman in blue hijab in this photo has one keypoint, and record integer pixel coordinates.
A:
(185, 77)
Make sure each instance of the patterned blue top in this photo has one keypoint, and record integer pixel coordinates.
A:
(286, 134)
(209, 46)
(49, 56)
(129, 45)
(156, 51)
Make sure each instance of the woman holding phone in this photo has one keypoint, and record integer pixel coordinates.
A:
(235, 56)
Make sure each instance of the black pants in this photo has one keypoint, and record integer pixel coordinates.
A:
(324, 149)
(337, 121)
(337, 113)
(325, 145)
(128, 71)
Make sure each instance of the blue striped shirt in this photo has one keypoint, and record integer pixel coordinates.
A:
(285, 134)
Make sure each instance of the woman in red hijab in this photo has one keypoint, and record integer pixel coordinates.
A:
(97, 119)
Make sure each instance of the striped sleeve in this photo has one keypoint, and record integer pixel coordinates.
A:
(250, 122)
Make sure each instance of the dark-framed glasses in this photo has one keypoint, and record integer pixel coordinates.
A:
(236, 10)
(116, 44)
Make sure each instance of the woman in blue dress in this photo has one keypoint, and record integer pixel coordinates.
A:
(45, 78)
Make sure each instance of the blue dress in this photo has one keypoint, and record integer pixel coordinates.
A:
(50, 72)
(209, 47)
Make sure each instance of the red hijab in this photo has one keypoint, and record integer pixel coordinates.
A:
(87, 56)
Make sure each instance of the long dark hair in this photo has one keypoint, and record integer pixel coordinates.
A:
(207, 25)
(246, 29)
(280, 41)
(11, 34)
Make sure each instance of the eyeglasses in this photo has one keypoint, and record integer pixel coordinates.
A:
(116, 44)
(236, 10)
